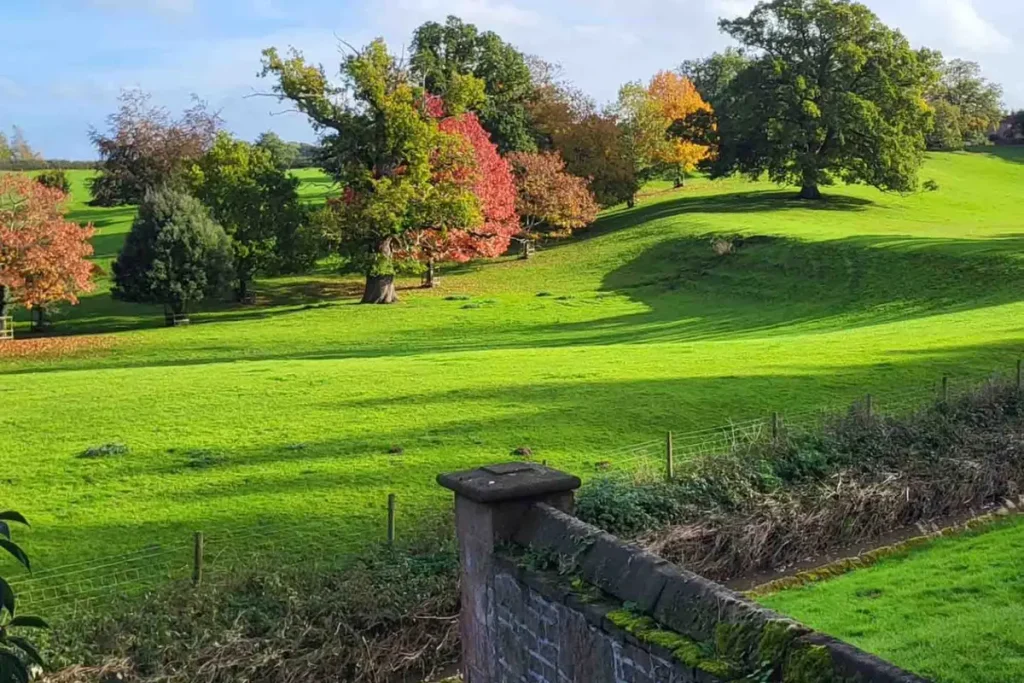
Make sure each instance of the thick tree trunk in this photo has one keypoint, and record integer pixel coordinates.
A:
(680, 178)
(525, 249)
(38, 319)
(810, 192)
(380, 289)
(631, 202)
(429, 282)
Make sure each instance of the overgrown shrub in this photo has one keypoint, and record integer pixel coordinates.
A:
(55, 179)
(391, 616)
(770, 501)
(627, 509)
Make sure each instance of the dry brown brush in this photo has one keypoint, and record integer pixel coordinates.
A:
(771, 502)
(391, 617)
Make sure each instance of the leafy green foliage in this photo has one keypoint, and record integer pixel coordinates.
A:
(623, 508)
(712, 75)
(56, 179)
(946, 133)
(444, 55)
(257, 203)
(832, 93)
(284, 154)
(965, 102)
(175, 255)
(401, 173)
(16, 651)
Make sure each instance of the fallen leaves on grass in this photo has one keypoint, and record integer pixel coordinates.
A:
(54, 347)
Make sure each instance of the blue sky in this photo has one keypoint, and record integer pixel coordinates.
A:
(63, 62)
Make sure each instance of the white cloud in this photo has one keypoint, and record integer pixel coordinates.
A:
(964, 27)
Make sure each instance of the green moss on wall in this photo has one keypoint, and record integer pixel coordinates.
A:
(810, 664)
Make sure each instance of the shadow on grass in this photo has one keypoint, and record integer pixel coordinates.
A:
(596, 416)
(769, 286)
(779, 284)
(1011, 153)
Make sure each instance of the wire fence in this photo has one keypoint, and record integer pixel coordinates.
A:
(224, 552)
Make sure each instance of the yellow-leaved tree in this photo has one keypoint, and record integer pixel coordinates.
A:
(677, 102)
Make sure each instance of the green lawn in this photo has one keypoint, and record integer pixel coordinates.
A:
(952, 611)
(286, 413)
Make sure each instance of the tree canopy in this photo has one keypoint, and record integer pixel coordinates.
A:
(831, 93)
(654, 120)
(257, 203)
(44, 258)
(284, 154)
(549, 199)
(967, 106)
(712, 75)
(443, 54)
(490, 179)
(175, 254)
(402, 174)
(144, 148)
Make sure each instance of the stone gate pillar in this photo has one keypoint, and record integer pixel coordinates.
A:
(489, 504)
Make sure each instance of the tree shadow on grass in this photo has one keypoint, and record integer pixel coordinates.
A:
(1011, 153)
(777, 284)
(754, 201)
(574, 424)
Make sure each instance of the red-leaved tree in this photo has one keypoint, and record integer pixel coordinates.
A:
(551, 201)
(43, 257)
(492, 182)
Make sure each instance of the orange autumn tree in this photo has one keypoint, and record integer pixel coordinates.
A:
(43, 256)
(550, 201)
(676, 100)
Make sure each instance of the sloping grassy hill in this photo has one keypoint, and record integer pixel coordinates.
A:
(288, 413)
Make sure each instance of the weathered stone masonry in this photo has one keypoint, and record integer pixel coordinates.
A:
(547, 598)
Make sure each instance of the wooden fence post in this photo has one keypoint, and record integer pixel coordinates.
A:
(197, 559)
(1018, 375)
(391, 519)
(775, 425)
(945, 389)
(868, 405)
(670, 465)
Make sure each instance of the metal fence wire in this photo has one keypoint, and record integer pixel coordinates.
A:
(219, 554)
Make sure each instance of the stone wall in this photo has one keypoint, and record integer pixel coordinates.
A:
(539, 638)
(547, 598)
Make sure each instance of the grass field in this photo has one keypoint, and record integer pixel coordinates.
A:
(951, 611)
(285, 413)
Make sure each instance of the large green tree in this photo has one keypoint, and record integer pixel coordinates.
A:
(442, 53)
(401, 173)
(257, 203)
(832, 93)
(175, 255)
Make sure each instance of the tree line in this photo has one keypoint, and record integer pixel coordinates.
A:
(467, 146)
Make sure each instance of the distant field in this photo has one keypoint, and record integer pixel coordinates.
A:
(952, 611)
(287, 413)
